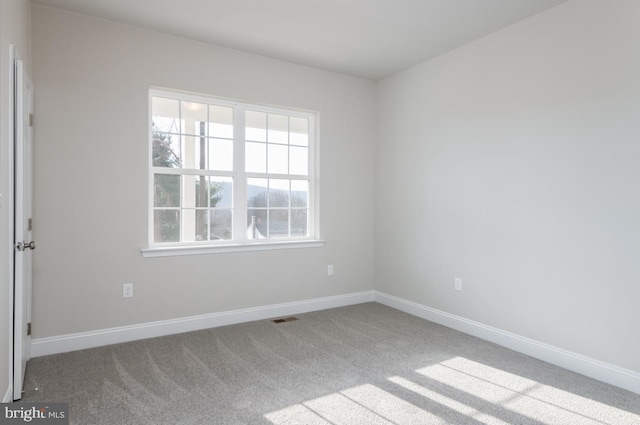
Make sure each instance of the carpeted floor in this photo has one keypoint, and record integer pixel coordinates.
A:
(365, 364)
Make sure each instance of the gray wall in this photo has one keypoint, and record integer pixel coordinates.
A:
(92, 79)
(513, 163)
(14, 29)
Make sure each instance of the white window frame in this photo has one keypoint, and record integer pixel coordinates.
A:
(240, 241)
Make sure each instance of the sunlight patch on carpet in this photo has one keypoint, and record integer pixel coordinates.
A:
(448, 402)
(524, 396)
(365, 404)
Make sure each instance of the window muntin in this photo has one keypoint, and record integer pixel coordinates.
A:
(228, 172)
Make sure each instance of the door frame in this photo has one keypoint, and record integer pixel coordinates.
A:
(10, 211)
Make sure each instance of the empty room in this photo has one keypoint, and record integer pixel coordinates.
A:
(320, 212)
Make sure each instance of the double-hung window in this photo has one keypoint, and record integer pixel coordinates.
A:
(227, 174)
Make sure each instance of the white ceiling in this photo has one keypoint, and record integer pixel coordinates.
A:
(365, 38)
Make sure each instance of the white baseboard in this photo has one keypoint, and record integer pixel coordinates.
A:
(575, 362)
(83, 340)
(8, 396)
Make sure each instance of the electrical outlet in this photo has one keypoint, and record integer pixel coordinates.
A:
(127, 290)
(457, 284)
(330, 270)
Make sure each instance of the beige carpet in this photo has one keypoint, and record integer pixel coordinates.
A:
(364, 364)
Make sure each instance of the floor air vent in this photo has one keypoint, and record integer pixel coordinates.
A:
(286, 319)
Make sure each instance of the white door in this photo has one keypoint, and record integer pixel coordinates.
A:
(23, 241)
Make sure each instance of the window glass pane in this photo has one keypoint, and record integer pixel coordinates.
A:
(255, 126)
(298, 161)
(299, 193)
(278, 223)
(278, 193)
(195, 191)
(278, 128)
(190, 225)
(166, 226)
(221, 192)
(256, 223)
(278, 159)
(194, 118)
(220, 224)
(299, 222)
(203, 190)
(257, 193)
(166, 150)
(220, 122)
(165, 115)
(167, 190)
(202, 226)
(194, 152)
(299, 131)
(221, 154)
(255, 157)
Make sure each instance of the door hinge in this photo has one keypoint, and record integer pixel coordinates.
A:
(30, 120)
(30, 224)
(28, 329)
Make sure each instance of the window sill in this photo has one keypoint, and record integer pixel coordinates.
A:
(171, 251)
